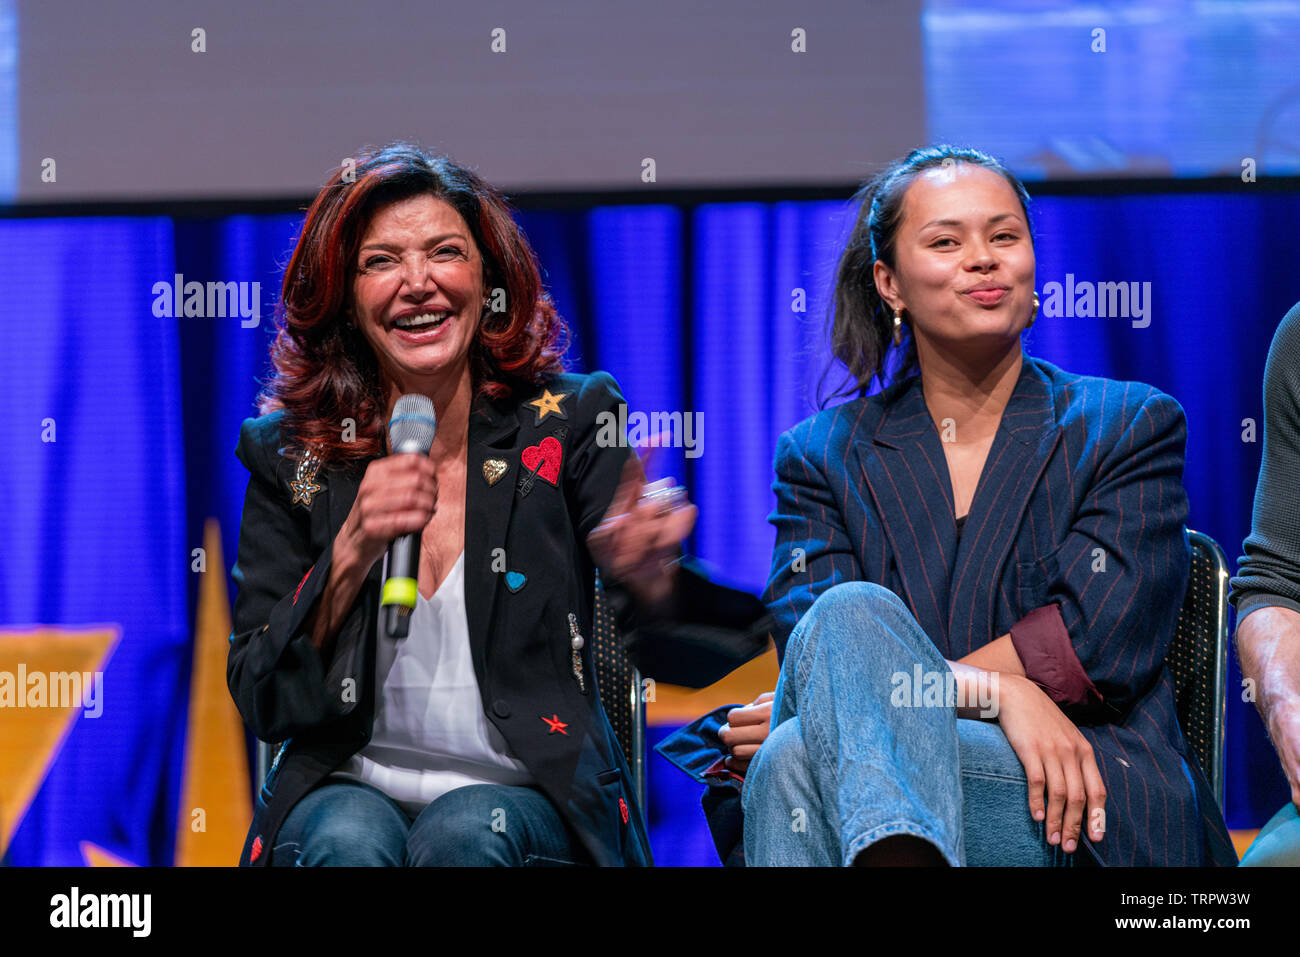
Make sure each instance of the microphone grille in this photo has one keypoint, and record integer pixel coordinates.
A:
(413, 424)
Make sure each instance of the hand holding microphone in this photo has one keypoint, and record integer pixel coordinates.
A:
(396, 499)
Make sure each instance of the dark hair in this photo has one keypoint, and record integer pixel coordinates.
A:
(861, 323)
(326, 370)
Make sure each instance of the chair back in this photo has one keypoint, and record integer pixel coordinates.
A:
(620, 691)
(1198, 658)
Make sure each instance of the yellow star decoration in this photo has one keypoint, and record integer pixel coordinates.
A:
(215, 803)
(31, 737)
(548, 404)
(216, 806)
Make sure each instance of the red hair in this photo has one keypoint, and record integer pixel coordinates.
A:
(326, 370)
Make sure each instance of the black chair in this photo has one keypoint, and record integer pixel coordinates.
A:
(620, 692)
(1198, 658)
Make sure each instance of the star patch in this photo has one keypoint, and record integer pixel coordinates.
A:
(303, 490)
(555, 724)
(548, 404)
(304, 483)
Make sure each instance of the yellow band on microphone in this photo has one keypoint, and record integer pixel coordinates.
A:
(399, 591)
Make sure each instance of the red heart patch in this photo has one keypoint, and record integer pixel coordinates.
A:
(544, 458)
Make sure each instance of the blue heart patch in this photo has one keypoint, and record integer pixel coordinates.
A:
(515, 580)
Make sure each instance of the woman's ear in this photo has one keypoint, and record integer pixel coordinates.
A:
(886, 285)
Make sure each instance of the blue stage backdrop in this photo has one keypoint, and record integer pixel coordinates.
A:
(715, 309)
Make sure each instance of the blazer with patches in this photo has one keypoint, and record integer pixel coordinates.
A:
(323, 706)
(1074, 544)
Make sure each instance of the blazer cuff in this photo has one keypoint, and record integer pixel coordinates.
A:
(697, 750)
(719, 775)
(1044, 647)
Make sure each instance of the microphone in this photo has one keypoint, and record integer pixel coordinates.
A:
(410, 432)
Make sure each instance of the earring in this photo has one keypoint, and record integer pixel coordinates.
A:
(898, 327)
(1033, 315)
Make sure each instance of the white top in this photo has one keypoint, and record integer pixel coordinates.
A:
(430, 734)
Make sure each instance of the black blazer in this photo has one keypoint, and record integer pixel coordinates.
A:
(519, 637)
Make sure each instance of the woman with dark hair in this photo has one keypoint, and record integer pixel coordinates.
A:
(478, 737)
(977, 572)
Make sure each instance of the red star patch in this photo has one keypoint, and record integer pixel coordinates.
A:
(555, 724)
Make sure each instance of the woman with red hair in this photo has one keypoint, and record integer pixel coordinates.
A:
(479, 737)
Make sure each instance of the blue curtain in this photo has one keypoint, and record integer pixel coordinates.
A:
(712, 309)
(94, 528)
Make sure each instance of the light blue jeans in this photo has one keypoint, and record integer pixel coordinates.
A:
(844, 767)
(354, 824)
(1278, 843)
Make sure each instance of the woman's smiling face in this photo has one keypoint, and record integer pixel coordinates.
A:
(963, 259)
(418, 291)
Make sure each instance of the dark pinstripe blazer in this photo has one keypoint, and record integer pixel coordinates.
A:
(1078, 464)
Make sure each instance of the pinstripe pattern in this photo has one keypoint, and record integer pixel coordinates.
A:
(1081, 470)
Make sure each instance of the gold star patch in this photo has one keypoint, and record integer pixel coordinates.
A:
(304, 483)
(548, 404)
(303, 490)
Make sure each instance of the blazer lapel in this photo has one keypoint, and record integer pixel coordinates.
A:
(493, 429)
(907, 475)
(1025, 440)
(342, 493)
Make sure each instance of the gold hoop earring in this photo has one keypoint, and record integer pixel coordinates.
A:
(898, 327)
(1033, 316)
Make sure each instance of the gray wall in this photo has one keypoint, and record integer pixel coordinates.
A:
(584, 91)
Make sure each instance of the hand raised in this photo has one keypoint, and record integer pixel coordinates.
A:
(637, 541)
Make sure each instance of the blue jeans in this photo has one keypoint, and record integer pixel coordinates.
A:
(844, 767)
(353, 824)
(1278, 844)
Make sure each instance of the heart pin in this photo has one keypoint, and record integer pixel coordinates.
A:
(515, 580)
(493, 469)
